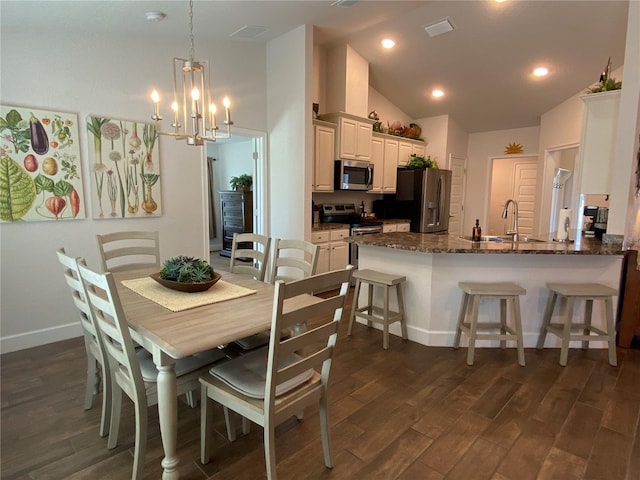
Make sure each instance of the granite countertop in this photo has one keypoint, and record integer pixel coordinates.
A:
(439, 243)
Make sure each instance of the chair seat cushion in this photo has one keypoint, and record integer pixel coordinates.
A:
(247, 374)
(183, 365)
(253, 341)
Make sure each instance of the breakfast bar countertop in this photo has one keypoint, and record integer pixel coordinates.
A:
(443, 243)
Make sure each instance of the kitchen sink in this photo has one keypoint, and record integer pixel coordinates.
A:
(503, 239)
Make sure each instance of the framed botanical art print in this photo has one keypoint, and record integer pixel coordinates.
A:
(125, 168)
(40, 166)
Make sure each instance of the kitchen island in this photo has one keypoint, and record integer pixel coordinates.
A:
(435, 263)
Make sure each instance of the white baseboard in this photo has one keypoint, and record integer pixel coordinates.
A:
(20, 341)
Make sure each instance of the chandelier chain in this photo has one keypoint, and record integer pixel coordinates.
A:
(192, 51)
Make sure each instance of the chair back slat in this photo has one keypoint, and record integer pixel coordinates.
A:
(314, 348)
(314, 361)
(293, 259)
(129, 250)
(258, 253)
(325, 307)
(314, 336)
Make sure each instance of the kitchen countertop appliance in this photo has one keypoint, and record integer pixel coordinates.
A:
(424, 195)
(346, 213)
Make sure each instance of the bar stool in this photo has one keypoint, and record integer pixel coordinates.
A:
(588, 292)
(471, 295)
(376, 314)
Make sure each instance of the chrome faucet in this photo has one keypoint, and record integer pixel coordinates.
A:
(505, 214)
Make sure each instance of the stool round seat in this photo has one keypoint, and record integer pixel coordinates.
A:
(372, 313)
(505, 292)
(589, 292)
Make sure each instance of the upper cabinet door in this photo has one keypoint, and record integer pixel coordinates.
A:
(405, 149)
(377, 160)
(323, 171)
(390, 166)
(363, 141)
(348, 139)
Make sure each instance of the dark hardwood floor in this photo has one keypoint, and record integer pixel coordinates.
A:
(412, 412)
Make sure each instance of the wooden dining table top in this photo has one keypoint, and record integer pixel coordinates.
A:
(180, 334)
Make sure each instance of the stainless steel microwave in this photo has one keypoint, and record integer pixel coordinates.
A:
(353, 175)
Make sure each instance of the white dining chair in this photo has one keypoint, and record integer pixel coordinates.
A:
(129, 250)
(92, 343)
(269, 385)
(250, 255)
(293, 259)
(133, 372)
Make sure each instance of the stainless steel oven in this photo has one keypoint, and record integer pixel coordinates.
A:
(361, 229)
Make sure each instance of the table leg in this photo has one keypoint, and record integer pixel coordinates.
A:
(167, 413)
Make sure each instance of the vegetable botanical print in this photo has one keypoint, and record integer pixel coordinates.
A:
(125, 168)
(40, 166)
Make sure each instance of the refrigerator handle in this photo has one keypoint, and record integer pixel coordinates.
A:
(440, 198)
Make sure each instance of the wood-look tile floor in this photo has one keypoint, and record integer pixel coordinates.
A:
(411, 412)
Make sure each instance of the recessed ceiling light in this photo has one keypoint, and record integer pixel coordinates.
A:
(437, 93)
(155, 16)
(541, 72)
(388, 43)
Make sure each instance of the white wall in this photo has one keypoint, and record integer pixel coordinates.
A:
(93, 74)
(482, 147)
(434, 132)
(289, 99)
(457, 139)
(387, 111)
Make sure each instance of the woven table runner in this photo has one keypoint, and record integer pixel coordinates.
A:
(178, 301)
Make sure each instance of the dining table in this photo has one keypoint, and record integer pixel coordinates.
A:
(170, 335)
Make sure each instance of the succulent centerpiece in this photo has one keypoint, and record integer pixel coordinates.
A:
(186, 270)
(186, 274)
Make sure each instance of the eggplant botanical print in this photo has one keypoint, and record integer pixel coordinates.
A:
(121, 165)
(40, 166)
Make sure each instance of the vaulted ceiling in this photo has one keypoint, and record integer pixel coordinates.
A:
(484, 65)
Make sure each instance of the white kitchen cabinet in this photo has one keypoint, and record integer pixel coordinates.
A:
(334, 251)
(396, 227)
(378, 163)
(405, 149)
(353, 136)
(418, 149)
(323, 170)
(390, 172)
(599, 124)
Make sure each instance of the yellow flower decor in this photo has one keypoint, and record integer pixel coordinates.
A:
(513, 148)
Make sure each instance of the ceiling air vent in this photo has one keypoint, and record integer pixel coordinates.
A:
(249, 31)
(438, 28)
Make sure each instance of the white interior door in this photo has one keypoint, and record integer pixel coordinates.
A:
(524, 192)
(513, 178)
(458, 167)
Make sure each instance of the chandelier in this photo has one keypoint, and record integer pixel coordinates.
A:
(194, 114)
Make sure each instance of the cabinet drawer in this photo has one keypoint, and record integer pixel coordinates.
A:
(339, 234)
(320, 237)
(404, 227)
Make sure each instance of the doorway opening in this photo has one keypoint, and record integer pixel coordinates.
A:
(243, 153)
(559, 186)
(513, 177)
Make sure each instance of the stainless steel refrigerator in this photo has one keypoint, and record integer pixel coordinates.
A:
(423, 196)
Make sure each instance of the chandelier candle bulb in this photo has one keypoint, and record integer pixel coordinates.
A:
(227, 104)
(155, 97)
(212, 115)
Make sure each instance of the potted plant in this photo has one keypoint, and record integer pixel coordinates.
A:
(240, 182)
(417, 162)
